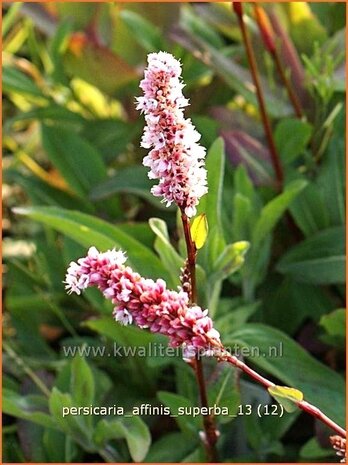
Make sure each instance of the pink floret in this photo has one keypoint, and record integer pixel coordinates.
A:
(144, 302)
(175, 159)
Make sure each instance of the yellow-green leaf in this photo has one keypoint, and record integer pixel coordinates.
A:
(199, 230)
(230, 260)
(286, 396)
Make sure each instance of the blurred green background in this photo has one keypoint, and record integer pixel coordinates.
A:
(72, 177)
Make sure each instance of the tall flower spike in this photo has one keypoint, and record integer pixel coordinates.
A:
(144, 302)
(176, 158)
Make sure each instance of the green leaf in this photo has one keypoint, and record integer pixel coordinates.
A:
(10, 17)
(273, 211)
(139, 231)
(127, 336)
(74, 425)
(15, 81)
(28, 408)
(223, 391)
(82, 382)
(335, 322)
(211, 203)
(199, 28)
(130, 180)
(290, 148)
(313, 450)
(331, 181)
(319, 259)
(305, 28)
(88, 231)
(188, 424)
(132, 429)
(81, 13)
(110, 136)
(246, 151)
(279, 355)
(51, 112)
(58, 47)
(78, 162)
(246, 205)
(298, 301)
(170, 258)
(81, 58)
(234, 317)
(59, 447)
(310, 211)
(286, 396)
(241, 216)
(40, 192)
(144, 31)
(242, 182)
(199, 230)
(206, 126)
(171, 447)
(231, 259)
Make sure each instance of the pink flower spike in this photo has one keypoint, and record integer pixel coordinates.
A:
(176, 158)
(144, 302)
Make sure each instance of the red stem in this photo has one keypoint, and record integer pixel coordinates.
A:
(263, 112)
(303, 405)
(292, 96)
(211, 433)
(267, 35)
(191, 255)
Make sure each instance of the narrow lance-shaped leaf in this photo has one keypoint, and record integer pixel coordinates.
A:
(132, 429)
(170, 258)
(319, 259)
(88, 231)
(273, 211)
(77, 160)
(231, 259)
(82, 382)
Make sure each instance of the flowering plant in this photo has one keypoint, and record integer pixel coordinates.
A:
(211, 277)
(177, 162)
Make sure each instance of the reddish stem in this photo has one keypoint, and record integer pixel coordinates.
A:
(267, 35)
(237, 6)
(303, 405)
(292, 96)
(191, 255)
(211, 433)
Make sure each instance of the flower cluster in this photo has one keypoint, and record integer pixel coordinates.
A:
(176, 159)
(340, 446)
(147, 303)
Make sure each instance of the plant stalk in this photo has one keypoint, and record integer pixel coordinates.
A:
(292, 96)
(303, 405)
(237, 6)
(211, 433)
(268, 40)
